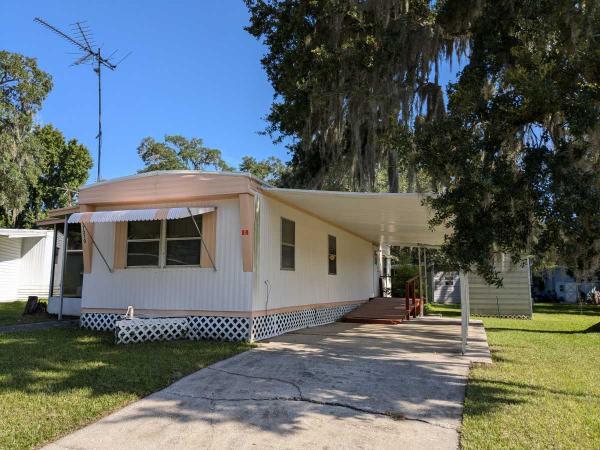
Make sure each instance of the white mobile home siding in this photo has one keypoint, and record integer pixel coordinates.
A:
(10, 255)
(173, 289)
(443, 293)
(512, 299)
(25, 264)
(310, 282)
(35, 266)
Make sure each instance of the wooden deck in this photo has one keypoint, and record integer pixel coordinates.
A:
(388, 310)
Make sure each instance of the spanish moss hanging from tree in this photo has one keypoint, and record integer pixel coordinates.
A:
(350, 78)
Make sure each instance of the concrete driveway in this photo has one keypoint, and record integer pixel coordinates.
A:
(336, 386)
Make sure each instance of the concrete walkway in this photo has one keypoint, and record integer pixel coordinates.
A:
(39, 326)
(336, 386)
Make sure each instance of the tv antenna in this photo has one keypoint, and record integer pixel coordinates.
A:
(81, 37)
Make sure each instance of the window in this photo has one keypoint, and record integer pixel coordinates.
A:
(143, 243)
(183, 242)
(157, 243)
(288, 244)
(332, 254)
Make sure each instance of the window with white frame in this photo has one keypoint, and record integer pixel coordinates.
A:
(183, 242)
(288, 244)
(332, 254)
(162, 243)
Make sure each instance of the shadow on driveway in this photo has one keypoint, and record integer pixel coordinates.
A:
(339, 385)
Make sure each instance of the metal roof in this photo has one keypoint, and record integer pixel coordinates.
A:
(382, 218)
(131, 215)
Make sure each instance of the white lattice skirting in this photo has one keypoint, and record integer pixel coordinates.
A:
(265, 327)
(129, 331)
(99, 321)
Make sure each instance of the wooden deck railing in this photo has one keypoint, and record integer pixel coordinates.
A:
(413, 304)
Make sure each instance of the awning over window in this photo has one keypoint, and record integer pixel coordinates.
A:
(130, 215)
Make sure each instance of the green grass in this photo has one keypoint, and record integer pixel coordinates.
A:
(444, 310)
(11, 313)
(543, 390)
(55, 381)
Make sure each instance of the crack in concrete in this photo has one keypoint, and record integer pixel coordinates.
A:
(387, 414)
(291, 383)
(301, 398)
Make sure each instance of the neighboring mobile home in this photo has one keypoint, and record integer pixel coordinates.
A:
(25, 263)
(270, 260)
(559, 284)
(512, 299)
(446, 287)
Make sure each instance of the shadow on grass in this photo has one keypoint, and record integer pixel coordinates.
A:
(561, 308)
(593, 329)
(59, 360)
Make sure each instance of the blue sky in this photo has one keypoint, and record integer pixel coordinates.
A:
(193, 71)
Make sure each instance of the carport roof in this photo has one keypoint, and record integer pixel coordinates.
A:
(382, 218)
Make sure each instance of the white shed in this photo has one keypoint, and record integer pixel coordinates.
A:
(25, 263)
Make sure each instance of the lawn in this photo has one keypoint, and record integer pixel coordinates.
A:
(11, 313)
(55, 381)
(543, 390)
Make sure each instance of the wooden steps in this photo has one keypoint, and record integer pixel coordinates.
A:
(390, 311)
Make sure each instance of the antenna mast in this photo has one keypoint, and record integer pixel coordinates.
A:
(81, 38)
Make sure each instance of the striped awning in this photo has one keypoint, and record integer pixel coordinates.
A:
(130, 215)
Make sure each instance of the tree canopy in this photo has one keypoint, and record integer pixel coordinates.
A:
(64, 168)
(39, 169)
(518, 155)
(179, 153)
(23, 88)
(346, 74)
(514, 159)
(270, 170)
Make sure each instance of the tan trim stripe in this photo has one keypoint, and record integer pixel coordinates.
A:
(259, 313)
(247, 231)
(168, 312)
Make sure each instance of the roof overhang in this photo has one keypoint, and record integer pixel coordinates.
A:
(381, 218)
(13, 233)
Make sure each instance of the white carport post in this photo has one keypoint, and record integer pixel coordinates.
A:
(65, 242)
(464, 309)
(380, 287)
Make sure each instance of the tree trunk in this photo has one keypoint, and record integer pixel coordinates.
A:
(410, 175)
(393, 182)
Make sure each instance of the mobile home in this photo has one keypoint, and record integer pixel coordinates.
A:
(227, 256)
